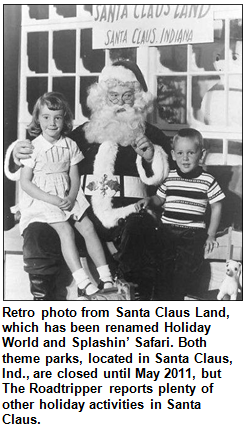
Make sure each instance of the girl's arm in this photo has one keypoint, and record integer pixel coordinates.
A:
(74, 182)
(68, 202)
(33, 191)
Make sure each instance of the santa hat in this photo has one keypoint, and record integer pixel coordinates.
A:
(124, 71)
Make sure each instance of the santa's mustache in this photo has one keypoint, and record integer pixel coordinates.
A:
(118, 109)
(119, 123)
(124, 116)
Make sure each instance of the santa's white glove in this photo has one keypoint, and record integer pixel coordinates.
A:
(22, 150)
(143, 147)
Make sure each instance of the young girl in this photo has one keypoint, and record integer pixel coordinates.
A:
(52, 194)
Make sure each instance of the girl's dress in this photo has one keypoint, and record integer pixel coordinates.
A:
(50, 164)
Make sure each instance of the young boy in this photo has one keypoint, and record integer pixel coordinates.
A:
(184, 196)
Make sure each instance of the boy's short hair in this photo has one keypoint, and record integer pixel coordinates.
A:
(190, 133)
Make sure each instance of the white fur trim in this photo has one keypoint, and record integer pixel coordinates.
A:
(120, 73)
(12, 176)
(159, 166)
(108, 215)
(102, 202)
(105, 158)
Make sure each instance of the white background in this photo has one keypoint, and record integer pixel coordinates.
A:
(223, 408)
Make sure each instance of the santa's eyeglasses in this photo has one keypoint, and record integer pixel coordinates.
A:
(126, 97)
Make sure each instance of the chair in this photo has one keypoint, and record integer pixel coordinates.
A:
(230, 246)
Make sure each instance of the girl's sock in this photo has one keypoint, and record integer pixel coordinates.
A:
(83, 282)
(105, 276)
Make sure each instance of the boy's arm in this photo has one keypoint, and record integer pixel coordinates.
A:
(156, 201)
(68, 202)
(216, 209)
(30, 188)
(148, 202)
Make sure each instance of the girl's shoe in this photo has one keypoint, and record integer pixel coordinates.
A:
(82, 293)
(107, 286)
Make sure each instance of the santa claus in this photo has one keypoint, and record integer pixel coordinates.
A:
(124, 156)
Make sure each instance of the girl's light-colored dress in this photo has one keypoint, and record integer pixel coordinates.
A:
(50, 164)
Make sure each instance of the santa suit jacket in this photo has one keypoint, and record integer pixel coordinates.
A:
(133, 177)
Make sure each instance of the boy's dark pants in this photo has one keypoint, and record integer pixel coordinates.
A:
(180, 261)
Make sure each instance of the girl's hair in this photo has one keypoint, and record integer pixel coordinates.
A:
(53, 101)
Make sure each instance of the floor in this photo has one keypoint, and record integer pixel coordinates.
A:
(16, 281)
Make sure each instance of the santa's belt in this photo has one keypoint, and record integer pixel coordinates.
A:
(130, 186)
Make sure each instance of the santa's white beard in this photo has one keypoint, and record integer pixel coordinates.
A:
(120, 124)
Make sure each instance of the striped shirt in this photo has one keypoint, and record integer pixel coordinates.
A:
(186, 198)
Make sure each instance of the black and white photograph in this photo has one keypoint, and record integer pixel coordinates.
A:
(136, 194)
